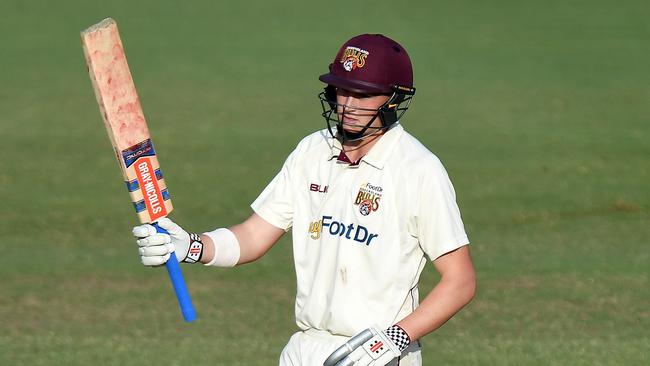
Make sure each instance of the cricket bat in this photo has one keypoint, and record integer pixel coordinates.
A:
(127, 129)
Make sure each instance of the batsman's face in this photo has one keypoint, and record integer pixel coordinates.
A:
(355, 110)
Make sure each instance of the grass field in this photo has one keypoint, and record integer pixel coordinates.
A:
(539, 110)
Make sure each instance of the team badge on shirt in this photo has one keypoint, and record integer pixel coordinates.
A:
(368, 198)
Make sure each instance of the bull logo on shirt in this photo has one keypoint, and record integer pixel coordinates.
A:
(368, 198)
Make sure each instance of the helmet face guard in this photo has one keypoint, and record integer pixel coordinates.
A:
(389, 113)
(368, 64)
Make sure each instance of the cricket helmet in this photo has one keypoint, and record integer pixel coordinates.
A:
(371, 64)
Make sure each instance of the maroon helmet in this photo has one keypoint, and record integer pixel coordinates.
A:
(370, 64)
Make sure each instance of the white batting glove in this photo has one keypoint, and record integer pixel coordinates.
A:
(370, 348)
(155, 248)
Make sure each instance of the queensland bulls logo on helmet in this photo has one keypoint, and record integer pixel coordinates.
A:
(353, 58)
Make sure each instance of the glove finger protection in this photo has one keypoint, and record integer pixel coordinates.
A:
(154, 261)
(156, 248)
(144, 231)
(155, 239)
(347, 348)
(379, 350)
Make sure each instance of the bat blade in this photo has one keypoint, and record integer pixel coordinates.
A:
(129, 134)
(124, 120)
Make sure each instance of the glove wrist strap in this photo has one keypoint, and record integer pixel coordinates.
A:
(396, 334)
(195, 251)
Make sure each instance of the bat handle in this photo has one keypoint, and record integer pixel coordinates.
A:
(176, 276)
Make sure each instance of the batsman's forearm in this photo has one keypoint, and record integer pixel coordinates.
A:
(254, 237)
(248, 252)
(208, 249)
(446, 299)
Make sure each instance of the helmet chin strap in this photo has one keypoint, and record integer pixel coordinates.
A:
(347, 136)
(388, 120)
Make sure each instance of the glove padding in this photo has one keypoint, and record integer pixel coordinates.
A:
(155, 248)
(369, 347)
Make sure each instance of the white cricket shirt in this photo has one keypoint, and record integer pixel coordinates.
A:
(361, 233)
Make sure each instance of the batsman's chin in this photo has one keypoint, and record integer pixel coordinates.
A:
(351, 126)
(352, 130)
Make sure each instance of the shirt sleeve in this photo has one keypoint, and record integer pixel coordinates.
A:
(276, 202)
(439, 225)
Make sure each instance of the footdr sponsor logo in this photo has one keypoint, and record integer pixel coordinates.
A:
(333, 227)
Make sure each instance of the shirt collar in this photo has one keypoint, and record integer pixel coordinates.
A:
(379, 153)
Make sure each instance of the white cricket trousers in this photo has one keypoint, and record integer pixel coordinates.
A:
(312, 347)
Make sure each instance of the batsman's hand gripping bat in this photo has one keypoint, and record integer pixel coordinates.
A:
(120, 108)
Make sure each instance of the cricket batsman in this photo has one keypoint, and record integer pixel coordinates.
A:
(368, 207)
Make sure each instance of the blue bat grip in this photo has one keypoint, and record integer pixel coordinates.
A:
(176, 276)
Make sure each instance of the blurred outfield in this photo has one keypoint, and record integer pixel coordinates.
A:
(539, 110)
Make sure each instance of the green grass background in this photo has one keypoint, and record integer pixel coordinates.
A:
(539, 110)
